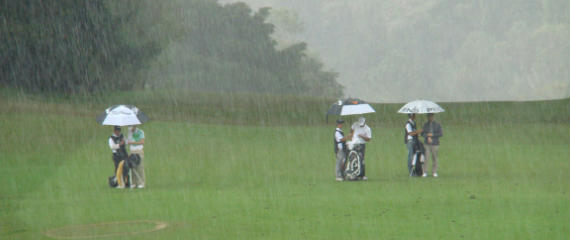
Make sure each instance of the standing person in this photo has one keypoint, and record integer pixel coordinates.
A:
(410, 138)
(432, 132)
(360, 134)
(339, 150)
(136, 143)
(118, 147)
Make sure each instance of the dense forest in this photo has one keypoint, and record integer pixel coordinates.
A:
(444, 50)
(85, 47)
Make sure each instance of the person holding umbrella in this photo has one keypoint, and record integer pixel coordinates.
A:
(360, 132)
(339, 150)
(127, 115)
(411, 134)
(431, 132)
(136, 144)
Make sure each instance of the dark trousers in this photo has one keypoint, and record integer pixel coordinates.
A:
(116, 160)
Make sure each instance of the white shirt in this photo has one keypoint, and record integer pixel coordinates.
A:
(338, 136)
(409, 128)
(112, 144)
(360, 130)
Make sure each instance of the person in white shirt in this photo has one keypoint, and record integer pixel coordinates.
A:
(339, 150)
(360, 134)
(136, 144)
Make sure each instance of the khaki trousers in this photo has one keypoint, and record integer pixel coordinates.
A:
(138, 171)
(340, 158)
(431, 152)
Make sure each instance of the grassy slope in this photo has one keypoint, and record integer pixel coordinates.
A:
(248, 109)
(500, 179)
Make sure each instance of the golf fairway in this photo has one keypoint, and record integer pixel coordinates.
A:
(497, 180)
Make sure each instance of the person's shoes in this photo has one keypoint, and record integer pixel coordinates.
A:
(434, 174)
(339, 179)
(364, 178)
(133, 186)
(120, 187)
(140, 186)
(424, 175)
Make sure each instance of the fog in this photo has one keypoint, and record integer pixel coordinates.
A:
(396, 51)
(380, 51)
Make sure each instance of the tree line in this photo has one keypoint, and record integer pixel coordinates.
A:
(86, 47)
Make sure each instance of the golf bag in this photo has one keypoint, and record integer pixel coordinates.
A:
(353, 163)
(418, 160)
(122, 177)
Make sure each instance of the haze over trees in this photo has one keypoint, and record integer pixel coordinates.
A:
(84, 47)
(443, 50)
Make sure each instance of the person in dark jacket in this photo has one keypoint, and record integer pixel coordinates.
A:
(432, 131)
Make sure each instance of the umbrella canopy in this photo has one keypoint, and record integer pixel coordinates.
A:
(122, 115)
(420, 107)
(351, 106)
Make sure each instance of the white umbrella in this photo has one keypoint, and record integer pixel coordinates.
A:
(421, 106)
(122, 115)
(351, 106)
(356, 109)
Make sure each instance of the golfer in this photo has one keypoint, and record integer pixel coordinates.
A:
(339, 150)
(360, 134)
(410, 138)
(431, 132)
(136, 144)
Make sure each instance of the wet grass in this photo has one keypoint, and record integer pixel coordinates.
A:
(499, 178)
(268, 110)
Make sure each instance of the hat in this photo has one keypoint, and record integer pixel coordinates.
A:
(339, 121)
(117, 128)
(361, 121)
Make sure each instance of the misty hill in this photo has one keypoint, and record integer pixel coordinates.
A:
(443, 50)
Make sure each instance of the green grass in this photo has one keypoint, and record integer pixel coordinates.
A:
(267, 110)
(505, 177)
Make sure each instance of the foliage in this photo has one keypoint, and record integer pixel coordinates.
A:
(77, 47)
(230, 49)
(69, 47)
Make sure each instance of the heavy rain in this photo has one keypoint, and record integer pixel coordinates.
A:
(284, 119)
